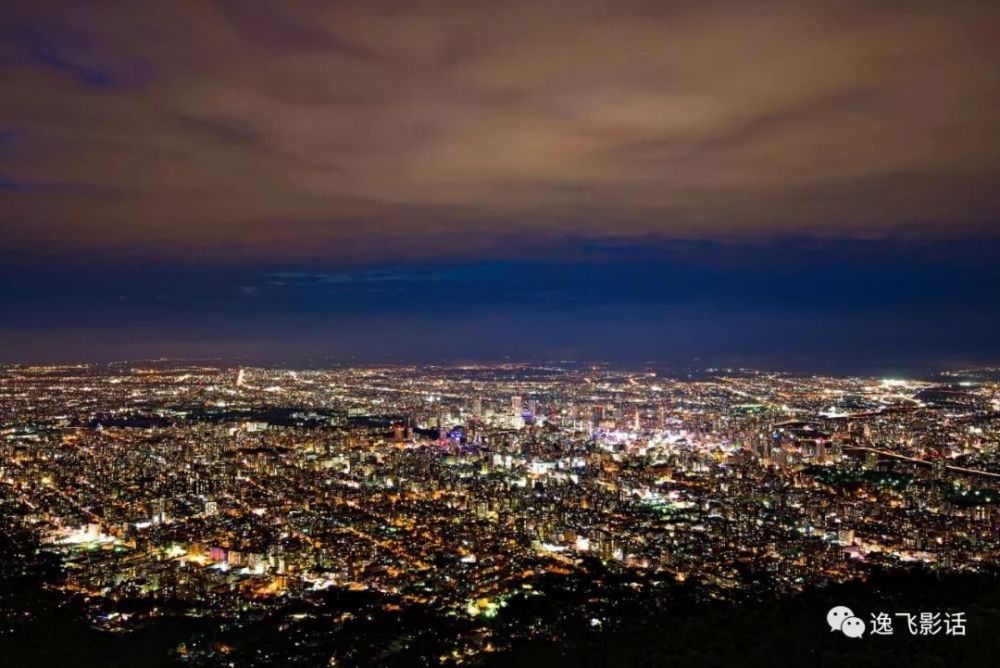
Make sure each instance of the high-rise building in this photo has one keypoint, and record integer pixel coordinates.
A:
(158, 511)
(516, 406)
(516, 412)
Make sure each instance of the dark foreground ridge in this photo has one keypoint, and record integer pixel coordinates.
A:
(673, 627)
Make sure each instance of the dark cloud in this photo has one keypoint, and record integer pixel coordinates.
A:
(629, 179)
(305, 128)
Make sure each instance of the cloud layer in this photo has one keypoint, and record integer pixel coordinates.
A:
(309, 128)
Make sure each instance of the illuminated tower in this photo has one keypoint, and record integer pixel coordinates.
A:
(516, 407)
(158, 511)
(516, 412)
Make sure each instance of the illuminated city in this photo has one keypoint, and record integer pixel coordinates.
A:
(499, 333)
(265, 498)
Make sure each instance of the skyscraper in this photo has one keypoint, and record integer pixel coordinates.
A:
(516, 411)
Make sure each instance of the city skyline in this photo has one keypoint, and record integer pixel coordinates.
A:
(493, 515)
(476, 334)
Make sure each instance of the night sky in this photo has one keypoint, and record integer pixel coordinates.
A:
(793, 184)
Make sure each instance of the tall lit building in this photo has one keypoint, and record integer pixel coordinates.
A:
(516, 406)
(516, 411)
(158, 511)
